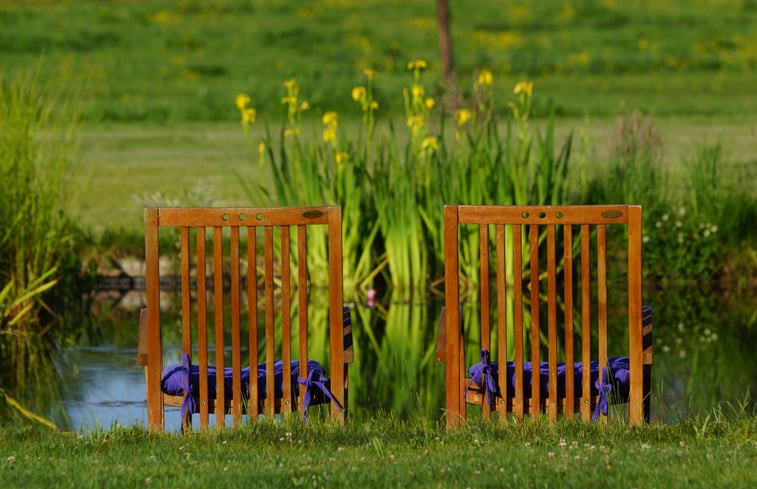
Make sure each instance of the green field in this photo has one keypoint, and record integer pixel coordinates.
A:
(169, 61)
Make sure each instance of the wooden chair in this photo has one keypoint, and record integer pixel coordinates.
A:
(521, 286)
(218, 266)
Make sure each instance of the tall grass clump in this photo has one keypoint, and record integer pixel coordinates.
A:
(393, 183)
(36, 135)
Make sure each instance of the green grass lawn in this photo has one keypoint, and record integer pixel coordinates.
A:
(123, 167)
(698, 453)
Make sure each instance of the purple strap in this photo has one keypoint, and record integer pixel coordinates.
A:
(188, 406)
(484, 373)
(320, 383)
(605, 389)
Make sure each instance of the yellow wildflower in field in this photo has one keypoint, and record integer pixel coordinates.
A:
(430, 143)
(462, 116)
(429, 102)
(417, 64)
(485, 77)
(330, 118)
(418, 91)
(261, 147)
(329, 134)
(523, 87)
(291, 84)
(304, 105)
(341, 157)
(368, 73)
(242, 101)
(248, 116)
(289, 100)
(358, 93)
(288, 132)
(373, 105)
(415, 122)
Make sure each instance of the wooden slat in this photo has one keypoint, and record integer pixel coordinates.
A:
(570, 406)
(202, 329)
(218, 321)
(338, 367)
(302, 272)
(186, 305)
(484, 300)
(535, 337)
(269, 407)
(518, 320)
(552, 321)
(238, 216)
(502, 321)
(451, 293)
(236, 334)
(252, 319)
(506, 214)
(635, 340)
(585, 323)
(286, 326)
(154, 348)
(602, 303)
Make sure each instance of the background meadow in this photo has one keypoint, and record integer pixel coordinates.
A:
(649, 102)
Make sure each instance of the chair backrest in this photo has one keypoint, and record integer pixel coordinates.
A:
(569, 286)
(218, 272)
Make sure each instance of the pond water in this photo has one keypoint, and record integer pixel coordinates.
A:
(704, 354)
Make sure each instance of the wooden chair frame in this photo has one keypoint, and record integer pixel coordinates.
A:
(527, 224)
(215, 220)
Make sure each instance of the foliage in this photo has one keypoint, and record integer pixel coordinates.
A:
(392, 187)
(37, 128)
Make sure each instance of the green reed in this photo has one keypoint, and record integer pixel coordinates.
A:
(392, 186)
(37, 129)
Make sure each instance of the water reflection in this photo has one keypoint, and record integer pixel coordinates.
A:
(703, 355)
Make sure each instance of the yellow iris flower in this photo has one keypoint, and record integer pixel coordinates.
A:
(524, 87)
(248, 116)
(430, 143)
(358, 94)
(418, 91)
(417, 64)
(242, 101)
(429, 102)
(462, 116)
(485, 77)
(330, 119)
(341, 157)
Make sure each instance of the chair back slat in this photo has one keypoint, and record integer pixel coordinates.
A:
(585, 321)
(218, 320)
(302, 270)
(569, 349)
(602, 303)
(552, 321)
(252, 318)
(186, 331)
(519, 400)
(236, 327)
(286, 325)
(533, 233)
(557, 259)
(339, 376)
(270, 340)
(202, 327)
(501, 261)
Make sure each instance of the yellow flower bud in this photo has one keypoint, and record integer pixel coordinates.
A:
(462, 116)
(330, 119)
(429, 102)
(248, 116)
(485, 77)
(358, 94)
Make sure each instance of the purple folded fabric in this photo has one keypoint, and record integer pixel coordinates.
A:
(177, 377)
(615, 380)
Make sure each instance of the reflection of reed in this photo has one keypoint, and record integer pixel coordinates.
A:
(396, 370)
